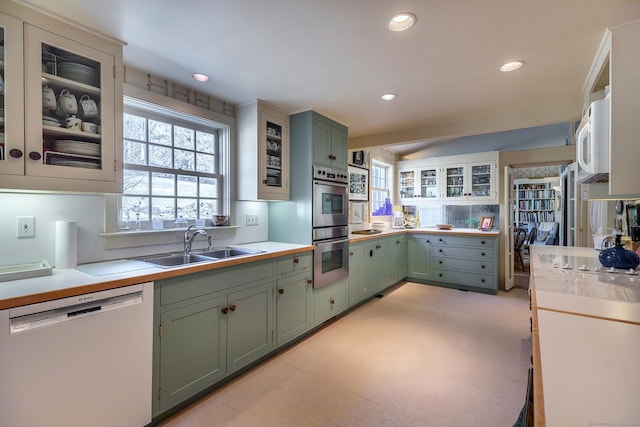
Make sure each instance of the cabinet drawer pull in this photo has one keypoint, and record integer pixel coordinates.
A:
(296, 260)
(15, 153)
(428, 241)
(281, 291)
(378, 246)
(439, 262)
(440, 240)
(483, 280)
(439, 250)
(224, 310)
(232, 307)
(482, 266)
(439, 274)
(482, 254)
(482, 242)
(398, 242)
(371, 252)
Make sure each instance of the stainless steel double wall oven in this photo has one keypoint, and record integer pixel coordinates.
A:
(330, 226)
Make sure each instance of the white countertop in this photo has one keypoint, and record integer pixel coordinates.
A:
(104, 275)
(588, 334)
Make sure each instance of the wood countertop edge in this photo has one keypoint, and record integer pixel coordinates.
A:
(538, 391)
(35, 298)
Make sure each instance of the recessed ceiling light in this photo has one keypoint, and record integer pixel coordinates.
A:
(511, 66)
(201, 77)
(388, 96)
(401, 21)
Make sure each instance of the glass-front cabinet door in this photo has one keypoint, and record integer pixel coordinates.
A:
(455, 181)
(429, 183)
(70, 106)
(481, 180)
(407, 184)
(274, 157)
(11, 97)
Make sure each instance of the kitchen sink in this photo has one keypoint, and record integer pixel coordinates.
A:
(229, 253)
(178, 259)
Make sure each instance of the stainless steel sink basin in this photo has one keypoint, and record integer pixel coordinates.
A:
(229, 253)
(178, 259)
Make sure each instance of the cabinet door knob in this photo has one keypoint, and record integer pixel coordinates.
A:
(15, 153)
(232, 307)
(482, 280)
(482, 242)
(309, 281)
(224, 310)
(264, 181)
(281, 291)
(332, 301)
(440, 240)
(440, 274)
(439, 250)
(350, 253)
(482, 266)
(34, 155)
(482, 254)
(371, 252)
(439, 262)
(428, 241)
(398, 242)
(296, 260)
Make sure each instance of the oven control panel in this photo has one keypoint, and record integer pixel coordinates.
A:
(329, 174)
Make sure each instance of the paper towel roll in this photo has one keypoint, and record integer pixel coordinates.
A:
(66, 244)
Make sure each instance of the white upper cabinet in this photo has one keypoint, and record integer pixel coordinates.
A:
(263, 153)
(617, 65)
(67, 136)
(451, 179)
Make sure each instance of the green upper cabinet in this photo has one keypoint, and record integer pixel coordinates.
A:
(329, 142)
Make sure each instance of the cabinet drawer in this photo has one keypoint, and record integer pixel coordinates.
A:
(477, 242)
(294, 264)
(469, 265)
(330, 301)
(463, 252)
(467, 279)
(191, 286)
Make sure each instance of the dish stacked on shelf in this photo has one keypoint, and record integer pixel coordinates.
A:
(79, 154)
(79, 73)
(51, 121)
(77, 147)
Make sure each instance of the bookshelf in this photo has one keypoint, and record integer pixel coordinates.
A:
(536, 200)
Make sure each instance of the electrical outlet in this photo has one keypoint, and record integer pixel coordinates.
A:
(252, 219)
(26, 226)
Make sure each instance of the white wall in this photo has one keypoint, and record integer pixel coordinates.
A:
(88, 212)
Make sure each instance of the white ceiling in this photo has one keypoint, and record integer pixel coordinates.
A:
(337, 56)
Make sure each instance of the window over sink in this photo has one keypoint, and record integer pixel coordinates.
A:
(173, 166)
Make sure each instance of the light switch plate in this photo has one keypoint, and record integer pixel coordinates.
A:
(26, 226)
(252, 219)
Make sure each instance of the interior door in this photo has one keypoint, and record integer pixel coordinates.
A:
(507, 226)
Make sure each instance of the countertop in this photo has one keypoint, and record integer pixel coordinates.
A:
(428, 230)
(100, 276)
(586, 339)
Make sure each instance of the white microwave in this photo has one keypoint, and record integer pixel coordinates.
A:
(592, 143)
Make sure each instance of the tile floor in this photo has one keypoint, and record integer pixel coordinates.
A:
(419, 356)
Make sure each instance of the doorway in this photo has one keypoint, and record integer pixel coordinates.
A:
(536, 213)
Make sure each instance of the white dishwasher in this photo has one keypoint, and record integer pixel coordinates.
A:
(78, 361)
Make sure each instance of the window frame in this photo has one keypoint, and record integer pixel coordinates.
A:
(388, 181)
(135, 97)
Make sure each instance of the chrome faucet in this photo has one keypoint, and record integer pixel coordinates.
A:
(188, 238)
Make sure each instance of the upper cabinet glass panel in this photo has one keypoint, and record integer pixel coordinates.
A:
(274, 153)
(70, 103)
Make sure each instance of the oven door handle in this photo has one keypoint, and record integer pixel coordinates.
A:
(328, 241)
(331, 183)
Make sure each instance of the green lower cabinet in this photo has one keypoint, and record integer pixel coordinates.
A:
(419, 256)
(294, 307)
(249, 325)
(401, 252)
(363, 272)
(330, 300)
(193, 350)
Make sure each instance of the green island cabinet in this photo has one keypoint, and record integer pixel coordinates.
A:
(466, 262)
(376, 264)
(328, 138)
(208, 325)
(294, 297)
(419, 256)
